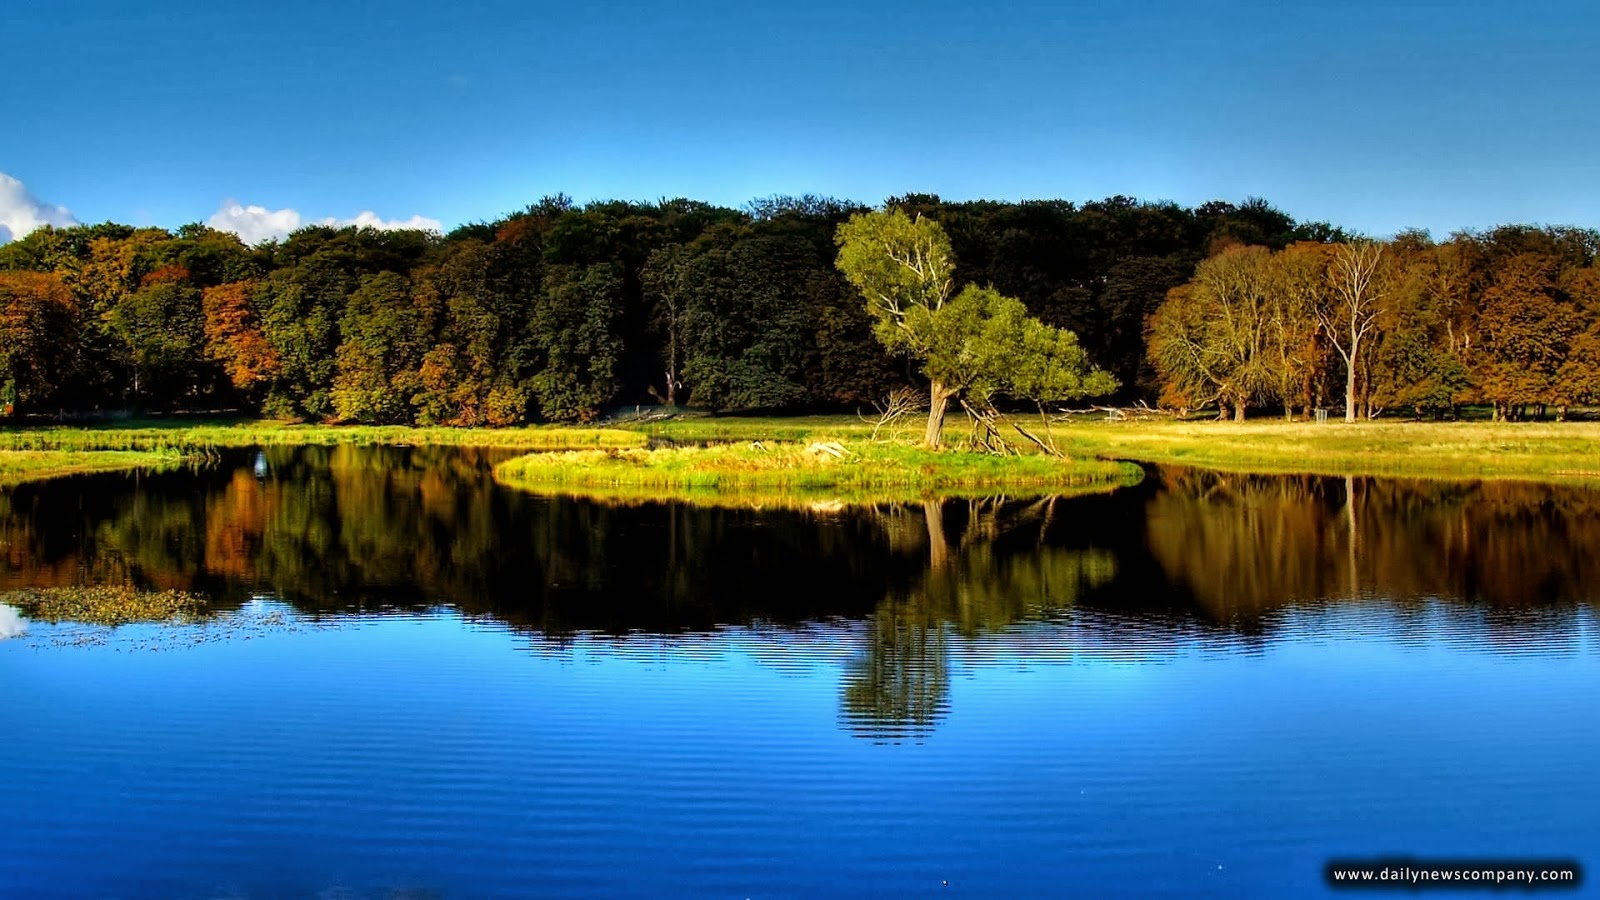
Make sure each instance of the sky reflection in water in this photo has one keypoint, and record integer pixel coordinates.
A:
(1204, 685)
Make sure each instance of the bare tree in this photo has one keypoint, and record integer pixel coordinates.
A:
(1351, 314)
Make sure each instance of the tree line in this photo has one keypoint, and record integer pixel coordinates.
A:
(560, 312)
(1509, 318)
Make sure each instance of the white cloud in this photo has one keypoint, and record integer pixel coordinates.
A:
(21, 212)
(254, 224)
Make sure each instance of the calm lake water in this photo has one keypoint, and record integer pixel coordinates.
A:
(417, 683)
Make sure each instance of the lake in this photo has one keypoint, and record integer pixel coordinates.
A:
(413, 682)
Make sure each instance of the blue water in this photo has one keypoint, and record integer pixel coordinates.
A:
(1092, 741)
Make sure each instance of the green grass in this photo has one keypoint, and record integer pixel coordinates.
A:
(1568, 451)
(755, 474)
(33, 454)
(17, 466)
(1543, 451)
(201, 437)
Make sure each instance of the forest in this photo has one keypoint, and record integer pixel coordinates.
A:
(563, 312)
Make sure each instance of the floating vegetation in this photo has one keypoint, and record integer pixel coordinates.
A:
(106, 605)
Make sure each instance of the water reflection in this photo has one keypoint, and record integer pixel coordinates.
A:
(1188, 558)
(1243, 545)
(12, 624)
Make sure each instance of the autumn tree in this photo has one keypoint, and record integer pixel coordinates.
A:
(1212, 340)
(1528, 329)
(1297, 355)
(37, 319)
(233, 335)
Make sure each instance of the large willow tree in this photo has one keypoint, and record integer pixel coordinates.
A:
(979, 343)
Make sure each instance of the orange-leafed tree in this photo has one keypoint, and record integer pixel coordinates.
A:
(1528, 329)
(234, 337)
(37, 319)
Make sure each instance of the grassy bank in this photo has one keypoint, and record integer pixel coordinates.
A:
(200, 437)
(1539, 451)
(17, 466)
(31, 454)
(1550, 451)
(1547, 452)
(757, 473)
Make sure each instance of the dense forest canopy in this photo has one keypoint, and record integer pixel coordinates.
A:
(561, 312)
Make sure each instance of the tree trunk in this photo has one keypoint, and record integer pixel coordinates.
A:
(1238, 410)
(938, 402)
(1350, 391)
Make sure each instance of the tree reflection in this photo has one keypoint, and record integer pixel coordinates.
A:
(1243, 545)
(336, 529)
(989, 565)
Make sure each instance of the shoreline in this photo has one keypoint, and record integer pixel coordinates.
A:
(1566, 453)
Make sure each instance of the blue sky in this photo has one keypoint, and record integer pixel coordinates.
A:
(1373, 115)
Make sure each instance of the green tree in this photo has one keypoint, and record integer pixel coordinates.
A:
(904, 267)
(748, 324)
(161, 329)
(379, 352)
(575, 329)
(667, 292)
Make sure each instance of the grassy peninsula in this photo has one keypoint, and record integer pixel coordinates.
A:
(760, 472)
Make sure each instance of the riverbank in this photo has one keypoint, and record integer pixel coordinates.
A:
(1564, 452)
(1559, 452)
(762, 473)
(33, 454)
(193, 436)
(1547, 451)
